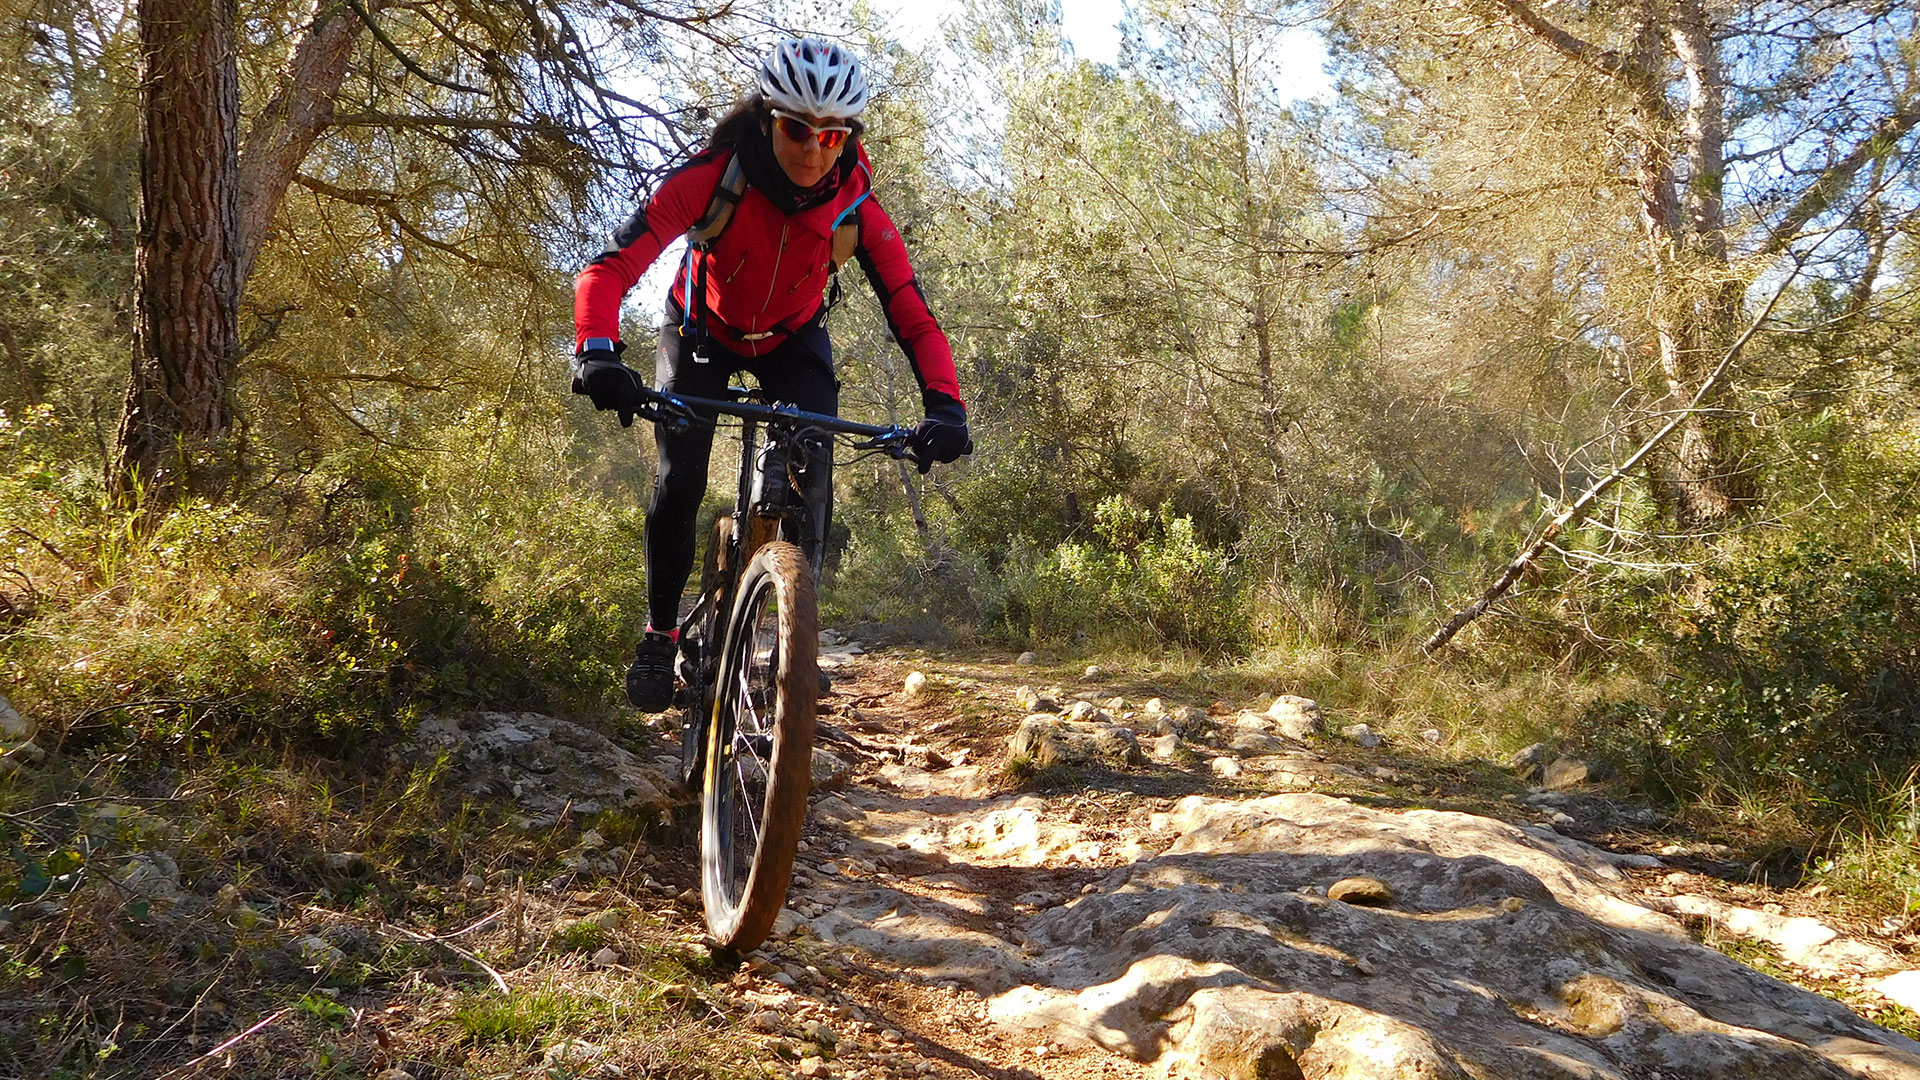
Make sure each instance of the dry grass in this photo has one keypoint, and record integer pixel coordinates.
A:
(333, 913)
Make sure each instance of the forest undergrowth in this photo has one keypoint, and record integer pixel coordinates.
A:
(214, 687)
(1264, 389)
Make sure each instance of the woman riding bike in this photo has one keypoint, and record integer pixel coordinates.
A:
(753, 298)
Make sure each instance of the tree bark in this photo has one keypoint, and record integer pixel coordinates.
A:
(1705, 479)
(300, 109)
(1709, 478)
(186, 282)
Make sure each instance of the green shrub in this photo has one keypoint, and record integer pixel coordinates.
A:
(375, 587)
(1147, 579)
(889, 574)
(1793, 673)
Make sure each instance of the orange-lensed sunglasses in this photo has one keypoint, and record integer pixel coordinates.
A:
(829, 136)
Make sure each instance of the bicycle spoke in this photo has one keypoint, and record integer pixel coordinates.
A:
(750, 704)
(745, 807)
(752, 749)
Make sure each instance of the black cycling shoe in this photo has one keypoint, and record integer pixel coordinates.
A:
(650, 679)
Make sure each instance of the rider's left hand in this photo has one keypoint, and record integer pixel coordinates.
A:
(942, 437)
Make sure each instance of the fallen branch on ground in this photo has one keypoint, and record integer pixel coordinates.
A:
(222, 1048)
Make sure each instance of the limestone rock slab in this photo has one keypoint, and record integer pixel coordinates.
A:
(542, 764)
(13, 726)
(1049, 740)
(1214, 951)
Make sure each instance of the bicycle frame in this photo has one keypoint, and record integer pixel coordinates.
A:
(755, 503)
(764, 506)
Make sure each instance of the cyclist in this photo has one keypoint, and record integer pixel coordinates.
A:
(753, 298)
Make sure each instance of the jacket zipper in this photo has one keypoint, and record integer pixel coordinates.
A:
(773, 277)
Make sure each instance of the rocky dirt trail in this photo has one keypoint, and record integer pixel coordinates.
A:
(1026, 872)
(1230, 890)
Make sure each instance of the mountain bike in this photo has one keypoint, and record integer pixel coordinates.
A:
(748, 668)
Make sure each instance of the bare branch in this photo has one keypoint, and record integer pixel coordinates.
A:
(1573, 513)
(464, 123)
(384, 201)
(193, 1065)
(407, 61)
(1564, 43)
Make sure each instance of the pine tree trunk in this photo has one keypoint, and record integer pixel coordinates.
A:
(179, 410)
(293, 119)
(1704, 479)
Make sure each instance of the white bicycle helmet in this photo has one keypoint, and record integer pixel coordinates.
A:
(813, 78)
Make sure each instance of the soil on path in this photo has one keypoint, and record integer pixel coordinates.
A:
(943, 750)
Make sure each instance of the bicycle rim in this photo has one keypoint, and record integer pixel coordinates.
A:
(759, 748)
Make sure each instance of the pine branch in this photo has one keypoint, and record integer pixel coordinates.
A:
(1566, 44)
(406, 61)
(1838, 176)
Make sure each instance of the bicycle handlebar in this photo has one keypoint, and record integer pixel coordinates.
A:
(677, 411)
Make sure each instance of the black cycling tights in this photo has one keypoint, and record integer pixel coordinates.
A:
(798, 372)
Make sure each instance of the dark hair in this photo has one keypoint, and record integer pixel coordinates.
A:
(743, 119)
(748, 116)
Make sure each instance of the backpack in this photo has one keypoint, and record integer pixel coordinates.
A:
(727, 195)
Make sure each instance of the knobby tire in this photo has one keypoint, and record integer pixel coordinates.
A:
(759, 759)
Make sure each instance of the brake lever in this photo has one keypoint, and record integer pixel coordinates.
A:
(892, 444)
(671, 415)
(924, 464)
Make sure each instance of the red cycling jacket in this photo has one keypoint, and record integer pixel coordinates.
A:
(767, 272)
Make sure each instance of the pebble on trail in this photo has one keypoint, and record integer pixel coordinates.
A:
(915, 687)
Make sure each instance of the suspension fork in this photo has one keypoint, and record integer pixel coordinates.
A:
(753, 528)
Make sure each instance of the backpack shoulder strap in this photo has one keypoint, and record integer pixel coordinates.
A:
(726, 195)
(846, 237)
(846, 227)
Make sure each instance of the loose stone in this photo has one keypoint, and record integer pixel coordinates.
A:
(1361, 891)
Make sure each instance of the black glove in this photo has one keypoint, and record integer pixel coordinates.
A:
(599, 374)
(942, 436)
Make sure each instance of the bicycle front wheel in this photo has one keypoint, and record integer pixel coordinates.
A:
(759, 764)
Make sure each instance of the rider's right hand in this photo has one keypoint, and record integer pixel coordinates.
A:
(599, 374)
